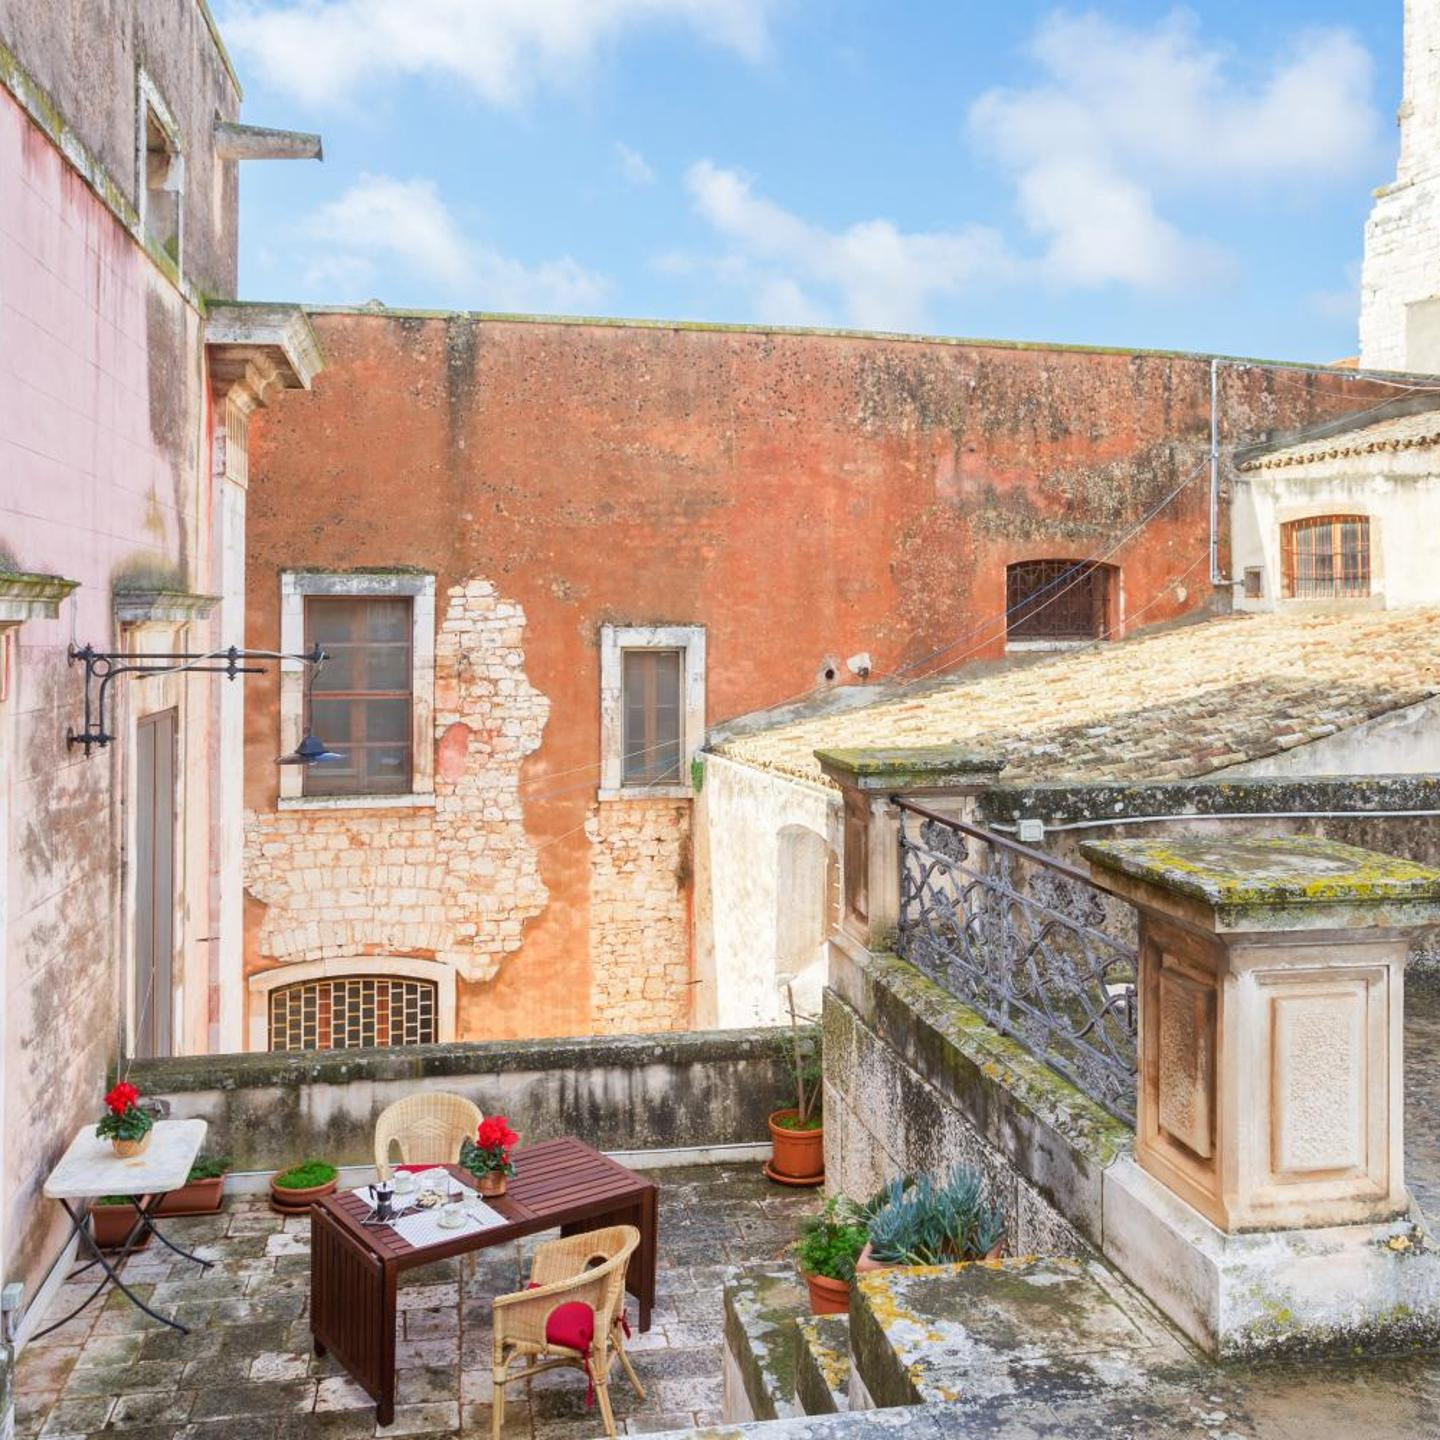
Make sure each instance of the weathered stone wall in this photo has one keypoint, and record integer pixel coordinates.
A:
(632, 1093)
(916, 1081)
(104, 480)
(640, 915)
(454, 881)
(1402, 237)
(804, 497)
(87, 56)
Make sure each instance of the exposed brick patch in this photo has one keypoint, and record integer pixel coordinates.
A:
(639, 915)
(458, 882)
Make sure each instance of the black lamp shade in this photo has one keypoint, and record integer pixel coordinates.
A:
(310, 751)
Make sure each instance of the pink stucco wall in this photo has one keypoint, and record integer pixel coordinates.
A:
(104, 479)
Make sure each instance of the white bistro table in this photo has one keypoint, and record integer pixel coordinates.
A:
(90, 1168)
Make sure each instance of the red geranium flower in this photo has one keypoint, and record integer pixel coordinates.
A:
(495, 1134)
(121, 1098)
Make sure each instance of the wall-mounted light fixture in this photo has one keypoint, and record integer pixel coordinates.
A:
(104, 666)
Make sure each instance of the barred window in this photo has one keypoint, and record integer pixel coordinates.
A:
(1057, 600)
(1326, 557)
(358, 1010)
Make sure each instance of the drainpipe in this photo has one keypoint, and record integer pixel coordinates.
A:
(1215, 576)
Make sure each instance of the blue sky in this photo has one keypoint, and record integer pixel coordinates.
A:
(1122, 173)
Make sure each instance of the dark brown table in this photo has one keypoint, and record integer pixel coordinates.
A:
(354, 1267)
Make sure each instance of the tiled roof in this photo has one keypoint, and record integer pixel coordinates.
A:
(1406, 432)
(1168, 706)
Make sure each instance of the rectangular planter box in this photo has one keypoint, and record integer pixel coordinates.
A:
(199, 1197)
(110, 1224)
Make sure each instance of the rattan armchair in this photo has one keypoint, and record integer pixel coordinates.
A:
(588, 1268)
(428, 1127)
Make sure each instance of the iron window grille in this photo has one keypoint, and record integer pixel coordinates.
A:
(1059, 600)
(1326, 557)
(353, 1012)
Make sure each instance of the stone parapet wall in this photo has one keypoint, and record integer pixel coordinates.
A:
(696, 1089)
(640, 914)
(915, 1080)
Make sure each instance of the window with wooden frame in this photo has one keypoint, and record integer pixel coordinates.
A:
(353, 1011)
(1326, 557)
(654, 721)
(1057, 600)
(362, 698)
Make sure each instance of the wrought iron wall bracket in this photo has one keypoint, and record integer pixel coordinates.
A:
(104, 666)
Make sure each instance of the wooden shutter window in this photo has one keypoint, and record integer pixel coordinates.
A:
(361, 705)
(653, 725)
(1326, 557)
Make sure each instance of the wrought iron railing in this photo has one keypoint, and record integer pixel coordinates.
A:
(1020, 938)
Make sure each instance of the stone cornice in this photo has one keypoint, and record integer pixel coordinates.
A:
(26, 596)
(162, 607)
(254, 350)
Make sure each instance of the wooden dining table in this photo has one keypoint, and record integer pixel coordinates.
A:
(355, 1267)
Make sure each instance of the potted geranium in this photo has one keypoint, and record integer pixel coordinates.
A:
(112, 1218)
(124, 1124)
(487, 1156)
(203, 1191)
(293, 1191)
(826, 1252)
(797, 1132)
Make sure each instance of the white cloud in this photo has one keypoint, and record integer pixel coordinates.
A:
(633, 165)
(1125, 118)
(871, 274)
(386, 227)
(324, 51)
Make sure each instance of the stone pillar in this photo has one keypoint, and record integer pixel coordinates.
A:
(1271, 1007)
(943, 777)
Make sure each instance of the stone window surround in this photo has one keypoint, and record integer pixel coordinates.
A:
(615, 640)
(151, 102)
(295, 586)
(406, 967)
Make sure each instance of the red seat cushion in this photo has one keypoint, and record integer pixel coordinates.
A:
(572, 1324)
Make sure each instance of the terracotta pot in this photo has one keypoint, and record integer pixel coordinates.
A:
(796, 1154)
(297, 1202)
(110, 1224)
(868, 1263)
(492, 1183)
(827, 1296)
(196, 1197)
(126, 1148)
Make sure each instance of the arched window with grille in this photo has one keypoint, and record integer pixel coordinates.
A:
(346, 1012)
(1057, 601)
(1326, 557)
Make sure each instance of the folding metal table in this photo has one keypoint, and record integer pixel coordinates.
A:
(90, 1168)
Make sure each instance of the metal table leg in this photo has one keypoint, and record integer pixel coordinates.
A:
(111, 1276)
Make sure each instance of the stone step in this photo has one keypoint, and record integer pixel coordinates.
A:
(764, 1304)
(822, 1364)
(1049, 1329)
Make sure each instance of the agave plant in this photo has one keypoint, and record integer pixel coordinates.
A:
(930, 1222)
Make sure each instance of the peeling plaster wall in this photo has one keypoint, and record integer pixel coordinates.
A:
(104, 479)
(800, 495)
(454, 881)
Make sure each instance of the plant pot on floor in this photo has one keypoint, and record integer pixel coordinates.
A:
(295, 1200)
(797, 1156)
(197, 1197)
(827, 1296)
(110, 1224)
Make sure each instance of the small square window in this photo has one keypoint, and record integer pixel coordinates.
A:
(1254, 583)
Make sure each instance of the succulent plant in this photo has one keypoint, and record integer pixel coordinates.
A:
(930, 1222)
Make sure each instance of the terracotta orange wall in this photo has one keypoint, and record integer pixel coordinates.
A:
(803, 496)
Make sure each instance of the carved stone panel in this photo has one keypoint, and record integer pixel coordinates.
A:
(1318, 1081)
(1186, 1062)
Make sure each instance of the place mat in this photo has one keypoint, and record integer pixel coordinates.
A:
(424, 1228)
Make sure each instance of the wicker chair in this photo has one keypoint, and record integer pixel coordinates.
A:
(428, 1127)
(588, 1268)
